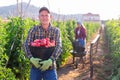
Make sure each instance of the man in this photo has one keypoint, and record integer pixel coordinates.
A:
(44, 69)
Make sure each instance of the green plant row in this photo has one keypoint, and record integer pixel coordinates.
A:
(12, 55)
(113, 34)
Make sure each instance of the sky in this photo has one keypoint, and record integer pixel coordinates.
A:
(107, 9)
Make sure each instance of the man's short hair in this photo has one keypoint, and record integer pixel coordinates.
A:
(44, 9)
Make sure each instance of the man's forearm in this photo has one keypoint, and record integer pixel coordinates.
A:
(56, 53)
(27, 50)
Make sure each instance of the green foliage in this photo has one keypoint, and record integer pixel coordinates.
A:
(6, 74)
(113, 35)
(3, 57)
(91, 28)
(16, 31)
(70, 26)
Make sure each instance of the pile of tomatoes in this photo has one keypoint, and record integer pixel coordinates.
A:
(45, 42)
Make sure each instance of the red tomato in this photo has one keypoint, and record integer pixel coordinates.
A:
(43, 42)
(37, 40)
(52, 43)
(47, 39)
(33, 44)
(38, 44)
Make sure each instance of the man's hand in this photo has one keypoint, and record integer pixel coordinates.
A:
(35, 61)
(45, 64)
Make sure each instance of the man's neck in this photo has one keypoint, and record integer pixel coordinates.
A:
(45, 27)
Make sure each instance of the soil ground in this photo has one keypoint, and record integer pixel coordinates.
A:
(100, 72)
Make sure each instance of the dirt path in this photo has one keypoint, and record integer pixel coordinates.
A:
(68, 72)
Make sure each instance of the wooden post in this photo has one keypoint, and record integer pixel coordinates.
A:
(93, 44)
(91, 62)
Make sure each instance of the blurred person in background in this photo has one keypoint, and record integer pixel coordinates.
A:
(80, 34)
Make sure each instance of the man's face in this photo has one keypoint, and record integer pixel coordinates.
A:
(44, 17)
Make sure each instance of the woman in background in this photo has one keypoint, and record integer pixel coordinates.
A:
(80, 34)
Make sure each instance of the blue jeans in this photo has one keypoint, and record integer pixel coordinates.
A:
(37, 74)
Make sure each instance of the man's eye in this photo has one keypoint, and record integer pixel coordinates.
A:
(44, 15)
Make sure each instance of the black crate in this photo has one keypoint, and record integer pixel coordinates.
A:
(41, 52)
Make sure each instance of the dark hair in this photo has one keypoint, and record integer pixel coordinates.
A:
(44, 9)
